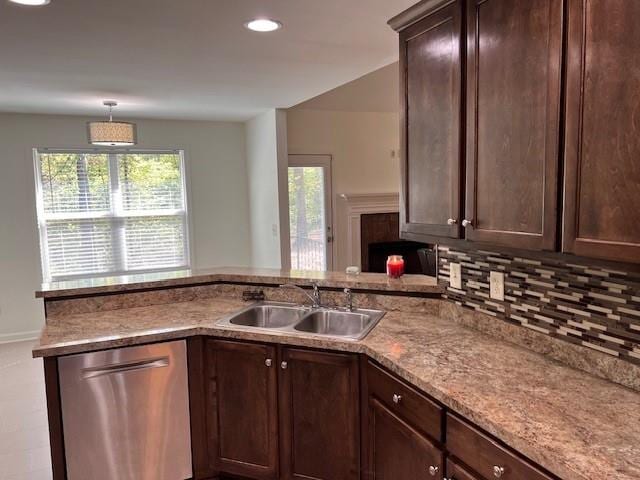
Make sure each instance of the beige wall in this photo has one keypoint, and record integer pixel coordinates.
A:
(360, 144)
(266, 165)
(218, 200)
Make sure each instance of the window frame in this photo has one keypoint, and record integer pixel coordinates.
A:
(115, 214)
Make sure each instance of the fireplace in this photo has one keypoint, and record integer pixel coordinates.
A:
(380, 237)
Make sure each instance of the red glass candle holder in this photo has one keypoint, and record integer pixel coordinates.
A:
(395, 266)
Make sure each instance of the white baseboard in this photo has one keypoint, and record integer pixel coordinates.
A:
(19, 337)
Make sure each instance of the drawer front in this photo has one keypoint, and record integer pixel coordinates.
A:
(486, 456)
(457, 472)
(405, 401)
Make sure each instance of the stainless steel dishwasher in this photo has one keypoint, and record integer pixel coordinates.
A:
(125, 413)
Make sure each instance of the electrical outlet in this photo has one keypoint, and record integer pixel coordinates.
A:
(496, 285)
(455, 275)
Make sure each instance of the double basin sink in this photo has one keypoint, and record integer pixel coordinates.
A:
(285, 317)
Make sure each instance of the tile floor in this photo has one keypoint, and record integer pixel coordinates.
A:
(24, 435)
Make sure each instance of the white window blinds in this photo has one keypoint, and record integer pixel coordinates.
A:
(111, 212)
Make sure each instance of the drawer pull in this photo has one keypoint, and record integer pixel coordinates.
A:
(396, 398)
(284, 365)
(498, 471)
(268, 362)
(433, 470)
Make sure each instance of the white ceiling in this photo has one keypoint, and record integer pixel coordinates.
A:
(186, 59)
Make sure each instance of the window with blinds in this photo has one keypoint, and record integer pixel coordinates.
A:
(111, 212)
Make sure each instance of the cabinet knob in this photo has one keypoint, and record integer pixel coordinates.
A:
(433, 470)
(467, 223)
(498, 471)
(268, 362)
(284, 365)
(396, 398)
(452, 221)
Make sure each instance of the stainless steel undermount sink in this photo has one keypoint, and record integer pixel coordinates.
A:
(297, 319)
(268, 316)
(337, 323)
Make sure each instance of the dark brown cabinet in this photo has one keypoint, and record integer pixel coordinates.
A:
(242, 408)
(539, 174)
(513, 110)
(513, 54)
(319, 415)
(398, 450)
(296, 414)
(486, 456)
(431, 76)
(403, 428)
(281, 413)
(602, 141)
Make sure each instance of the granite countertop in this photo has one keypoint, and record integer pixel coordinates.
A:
(577, 426)
(246, 275)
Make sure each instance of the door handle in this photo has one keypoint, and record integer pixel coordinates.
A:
(125, 367)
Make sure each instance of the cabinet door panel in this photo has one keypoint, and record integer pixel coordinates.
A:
(243, 408)
(397, 450)
(319, 416)
(431, 72)
(513, 108)
(602, 141)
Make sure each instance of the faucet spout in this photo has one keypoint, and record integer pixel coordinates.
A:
(315, 297)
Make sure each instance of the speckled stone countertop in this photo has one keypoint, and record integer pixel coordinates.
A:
(577, 426)
(126, 283)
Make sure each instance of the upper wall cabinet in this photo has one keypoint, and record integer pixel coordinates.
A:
(514, 51)
(431, 91)
(602, 146)
(516, 56)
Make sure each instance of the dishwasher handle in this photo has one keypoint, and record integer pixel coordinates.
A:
(93, 372)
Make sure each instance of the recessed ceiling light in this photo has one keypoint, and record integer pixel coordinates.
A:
(31, 3)
(263, 25)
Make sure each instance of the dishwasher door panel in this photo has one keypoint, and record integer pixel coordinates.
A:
(125, 413)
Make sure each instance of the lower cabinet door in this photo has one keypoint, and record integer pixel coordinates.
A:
(242, 408)
(397, 450)
(319, 416)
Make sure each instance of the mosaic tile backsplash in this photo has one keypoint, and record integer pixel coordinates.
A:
(595, 307)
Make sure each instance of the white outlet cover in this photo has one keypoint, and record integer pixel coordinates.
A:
(496, 284)
(455, 275)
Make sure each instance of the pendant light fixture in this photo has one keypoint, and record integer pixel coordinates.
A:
(31, 3)
(110, 133)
